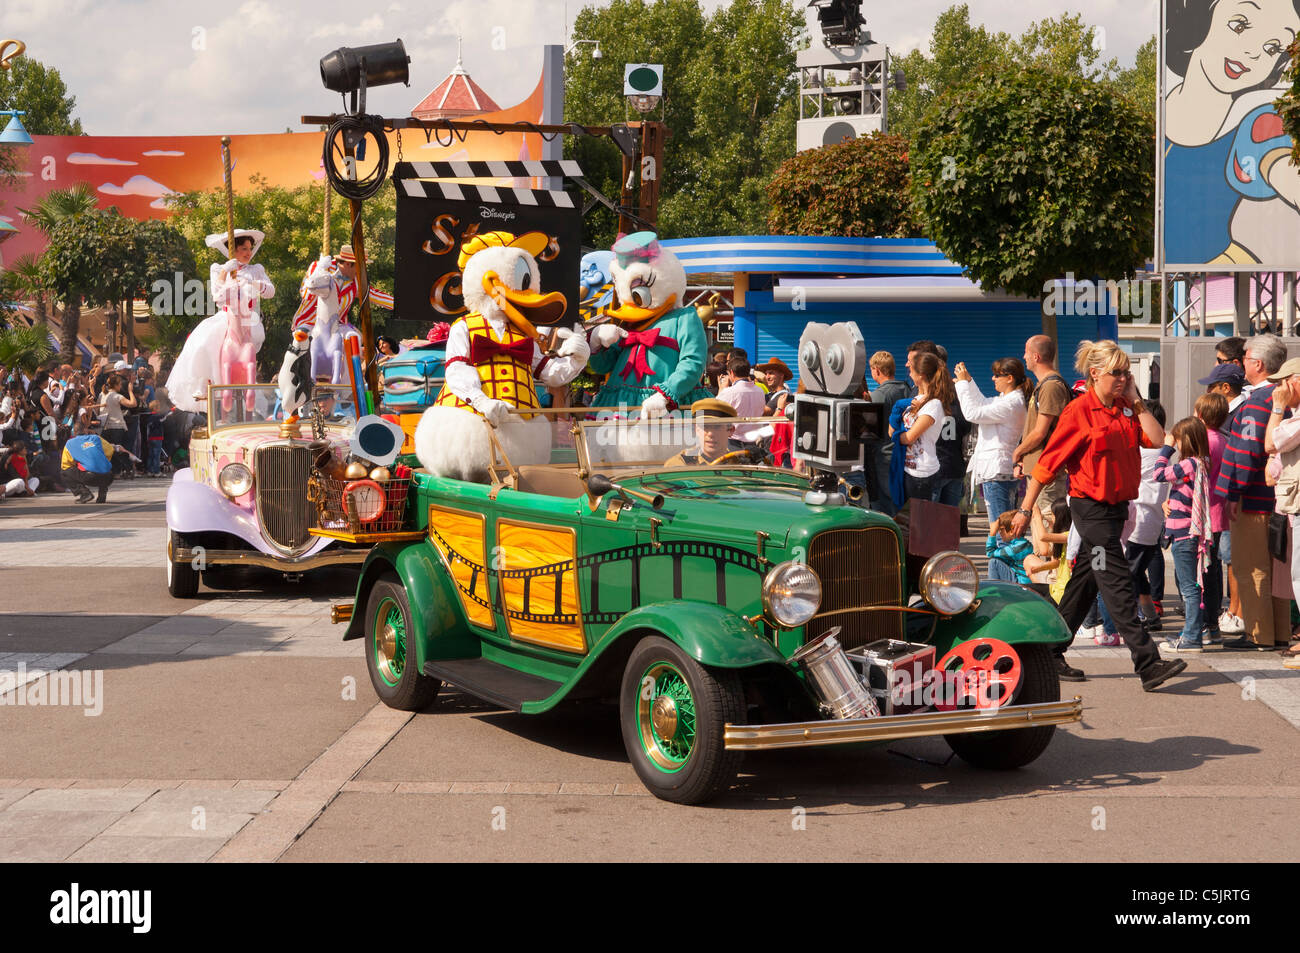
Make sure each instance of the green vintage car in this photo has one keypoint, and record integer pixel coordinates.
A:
(700, 597)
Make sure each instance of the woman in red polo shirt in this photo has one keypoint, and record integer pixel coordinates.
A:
(1096, 440)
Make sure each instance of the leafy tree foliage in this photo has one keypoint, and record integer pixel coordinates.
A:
(961, 52)
(1288, 105)
(1030, 174)
(52, 209)
(41, 92)
(729, 83)
(857, 188)
(292, 221)
(24, 349)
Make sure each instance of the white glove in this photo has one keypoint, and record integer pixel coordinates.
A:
(607, 335)
(575, 344)
(230, 267)
(494, 411)
(656, 405)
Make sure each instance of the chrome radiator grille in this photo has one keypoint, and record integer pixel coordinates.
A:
(858, 568)
(282, 506)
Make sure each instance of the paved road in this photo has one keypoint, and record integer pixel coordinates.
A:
(237, 726)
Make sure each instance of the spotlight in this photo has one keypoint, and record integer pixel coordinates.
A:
(840, 21)
(353, 69)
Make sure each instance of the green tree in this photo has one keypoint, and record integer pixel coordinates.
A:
(1288, 105)
(292, 221)
(24, 279)
(41, 92)
(729, 103)
(857, 188)
(24, 349)
(1031, 174)
(54, 208)
(1138, 82)
(960, 53)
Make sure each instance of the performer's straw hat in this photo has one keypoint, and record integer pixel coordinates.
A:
(217, 240)
(345, 254)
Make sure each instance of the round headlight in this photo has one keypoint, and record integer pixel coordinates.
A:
(792, 593)
(235, 480)
(949, 583)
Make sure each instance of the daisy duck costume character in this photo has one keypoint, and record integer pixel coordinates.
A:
(493, 357)
(223, 348)
(655, 353)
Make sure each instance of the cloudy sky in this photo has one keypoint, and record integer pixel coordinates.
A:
(180, 67)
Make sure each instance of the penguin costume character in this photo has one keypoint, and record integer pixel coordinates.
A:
(655, 353)
(493, 358)
(295, 380)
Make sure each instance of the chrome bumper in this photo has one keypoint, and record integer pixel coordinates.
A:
(806, 734)
(249, 557)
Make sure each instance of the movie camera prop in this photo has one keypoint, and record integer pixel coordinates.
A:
(830, 425)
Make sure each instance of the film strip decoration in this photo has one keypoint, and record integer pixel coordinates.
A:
(721, 555)
(422, 180)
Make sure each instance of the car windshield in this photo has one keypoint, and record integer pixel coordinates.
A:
(675, 440)
(236, 404)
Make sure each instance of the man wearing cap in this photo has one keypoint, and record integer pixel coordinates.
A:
(1251, 500)
(712, 438)
(343, 267)
(1227, 379)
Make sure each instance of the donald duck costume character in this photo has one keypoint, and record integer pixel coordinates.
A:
(656, 359)
(492, 359)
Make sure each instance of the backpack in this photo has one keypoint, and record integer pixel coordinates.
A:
(1070, 395)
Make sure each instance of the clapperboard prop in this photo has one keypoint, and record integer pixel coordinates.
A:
(434, 216)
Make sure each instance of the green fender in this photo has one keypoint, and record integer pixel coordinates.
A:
(1006, 612)
(710, 634)
(439, 622)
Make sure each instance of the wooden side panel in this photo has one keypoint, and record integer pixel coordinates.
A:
(538, 579)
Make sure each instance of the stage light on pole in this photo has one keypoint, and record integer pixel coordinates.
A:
(643, 85)
(354, 69)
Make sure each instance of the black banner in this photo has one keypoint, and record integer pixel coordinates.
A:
(429, 235)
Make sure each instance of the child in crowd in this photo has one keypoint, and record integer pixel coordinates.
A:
(1142, 548)
(1212, 409)
(1189, 525)
(1006, 547)
(1046, 566)
(154, 434)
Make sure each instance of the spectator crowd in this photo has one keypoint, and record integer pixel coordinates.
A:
(1088, 495)
(68, 430)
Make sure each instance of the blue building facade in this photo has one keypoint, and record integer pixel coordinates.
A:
(896, 290)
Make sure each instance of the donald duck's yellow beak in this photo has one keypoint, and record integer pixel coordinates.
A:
(525, 309)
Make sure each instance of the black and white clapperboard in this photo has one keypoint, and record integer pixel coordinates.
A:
(434, 216)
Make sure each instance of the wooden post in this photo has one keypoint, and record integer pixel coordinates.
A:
(363, 296)
(230, 197)
(652, 149)
(325, 229)
(628, 192)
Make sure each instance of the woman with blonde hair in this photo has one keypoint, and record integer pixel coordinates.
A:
(1096, 440)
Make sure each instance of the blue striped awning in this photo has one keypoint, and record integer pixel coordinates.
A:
(777, 254)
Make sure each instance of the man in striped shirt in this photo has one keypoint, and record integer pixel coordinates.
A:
(1250, 501)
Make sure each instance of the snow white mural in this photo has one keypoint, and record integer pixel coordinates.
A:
(1231, 192)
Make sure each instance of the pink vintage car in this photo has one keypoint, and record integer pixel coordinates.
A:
(243, 501)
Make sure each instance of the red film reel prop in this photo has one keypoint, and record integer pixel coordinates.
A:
(982, 674)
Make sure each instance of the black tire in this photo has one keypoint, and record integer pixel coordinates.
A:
(182, 577)
(1004, 750)
(390, 646)
(705, 767)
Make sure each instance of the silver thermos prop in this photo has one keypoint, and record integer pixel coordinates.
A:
(833, 679)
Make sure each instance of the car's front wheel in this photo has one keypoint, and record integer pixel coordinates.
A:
(673, 712)
(390, 649)
(1003, 750)
(182, 577)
